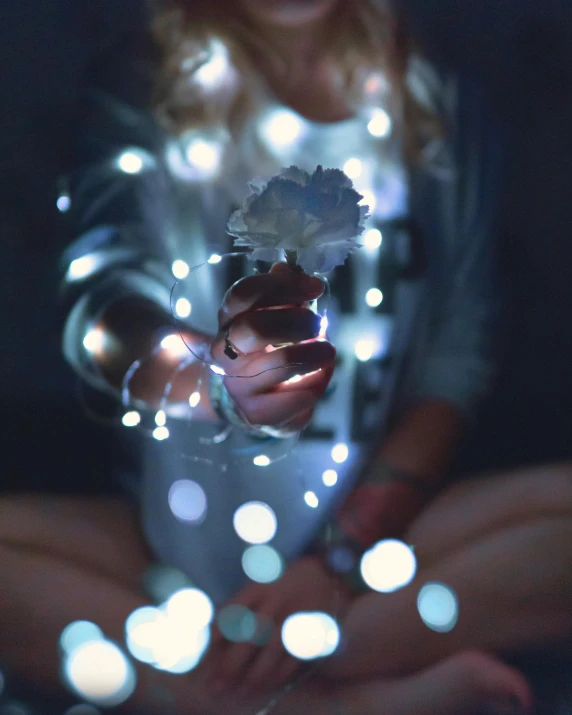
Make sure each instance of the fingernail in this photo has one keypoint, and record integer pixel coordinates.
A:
(506, 705)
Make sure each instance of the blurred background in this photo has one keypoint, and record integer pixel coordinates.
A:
(520, 51)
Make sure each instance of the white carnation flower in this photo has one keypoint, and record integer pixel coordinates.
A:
(313, 220)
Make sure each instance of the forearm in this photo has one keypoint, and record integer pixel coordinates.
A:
(132, 329)
(424, 440)
(404, 474)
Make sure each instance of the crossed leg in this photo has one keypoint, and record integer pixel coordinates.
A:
(502, 543)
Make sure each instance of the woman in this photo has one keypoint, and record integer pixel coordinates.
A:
(427, 347)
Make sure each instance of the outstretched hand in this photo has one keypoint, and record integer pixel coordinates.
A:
(275, 336)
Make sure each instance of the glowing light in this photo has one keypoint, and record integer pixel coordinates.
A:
(175, 344)
(130, 162)
(212, 72)
(353, 168)
(308, 636)
(438, 607)
(372, 239)
(340, 453)
(188, 501)
(190, 608)
(144, 632)
(294, 379)
(183, 308)
(161, 418)
(77, 633)
(388, 566)
(283, 127)
(261, 460)
(237, 623)
(204, 155)
(99, 672)
(262, 564)
(374, 297)
(311, 499)
(330, 477)
(63, 203)
(180, 269)
(160, 433)
(82, 267)
(131, 419)
(217, 370)
(162, 581)
(194, 399)
(255, 522)
(323, 326)
(170, 638)
(94, 340)
(214, 259)
(380, 124)
(364, 350)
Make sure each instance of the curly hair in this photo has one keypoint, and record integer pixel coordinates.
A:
(367, 40)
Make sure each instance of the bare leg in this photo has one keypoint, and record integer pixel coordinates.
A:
(503, 544)
(41, 592)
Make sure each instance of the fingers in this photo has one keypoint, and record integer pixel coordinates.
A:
(253, 331)
(280, 287)
(263, 372)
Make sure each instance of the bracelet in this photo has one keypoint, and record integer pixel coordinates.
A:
(224, 406)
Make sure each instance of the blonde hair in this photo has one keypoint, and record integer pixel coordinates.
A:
(365, 37)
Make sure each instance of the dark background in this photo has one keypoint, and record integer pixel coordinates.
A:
(519, 50)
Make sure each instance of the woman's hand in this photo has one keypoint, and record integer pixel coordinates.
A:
(305, 586)
(266, 321)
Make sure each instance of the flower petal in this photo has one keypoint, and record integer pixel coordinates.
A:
(270, 255)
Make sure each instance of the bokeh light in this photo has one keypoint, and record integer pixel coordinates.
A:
(183, 308)
(94, 340)
(83, 267)
(238, 624)
(353, 168)
(340, 453)
(379, 125)
(310, 635)
(63, 203)
(99, 672)
(180, 269)
(374, 297)
(255, 522)
(131, 418)
(261, 460)
(161, 581)
(173, 637)
(190, 609)
(161, 433)
(130, 162)
(388, 566)
(364, 349)
(161, 418)
(330, 477)
(188, 501)
(194, 399)
(262, 563)
(77, 633)
(311, 499)
(282, 127)
(204, 155)
(214, 258)
(438, 607)
(372, 239)
(175, 345)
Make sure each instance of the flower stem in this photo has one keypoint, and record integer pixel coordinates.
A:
(291, 261)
